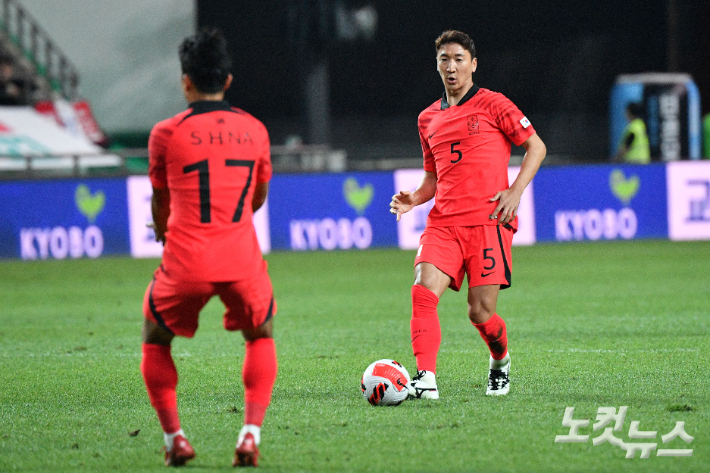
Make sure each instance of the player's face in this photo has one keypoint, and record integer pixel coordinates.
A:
(455, 66)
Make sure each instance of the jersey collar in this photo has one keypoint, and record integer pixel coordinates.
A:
(205, 106)
(471, 92)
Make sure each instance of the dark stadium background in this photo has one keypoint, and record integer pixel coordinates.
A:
(556, 59)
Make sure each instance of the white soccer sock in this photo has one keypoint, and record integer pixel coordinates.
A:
(170, 437)
(498, 364)
(255, 430)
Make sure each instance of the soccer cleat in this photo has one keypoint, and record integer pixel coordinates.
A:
(498, 379)
(181, 452)
(246, 453)
(423, 386)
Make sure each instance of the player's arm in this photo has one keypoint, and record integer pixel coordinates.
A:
(509, 199)
(160, 208)
(404, 201)
(260, 193)
(160, 201)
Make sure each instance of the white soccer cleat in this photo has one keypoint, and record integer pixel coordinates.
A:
(423, 386)
(498, 376)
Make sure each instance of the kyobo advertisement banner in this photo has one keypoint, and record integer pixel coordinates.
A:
(331, 211)
(63, 219)
(601, 203)
(92, 217)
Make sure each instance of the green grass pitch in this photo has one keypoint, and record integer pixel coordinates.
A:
(590, 325)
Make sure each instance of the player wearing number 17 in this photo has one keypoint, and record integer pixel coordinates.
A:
(210, 167)
(466, 139)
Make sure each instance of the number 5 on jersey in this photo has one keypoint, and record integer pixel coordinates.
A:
(203, 171)
(454, 151)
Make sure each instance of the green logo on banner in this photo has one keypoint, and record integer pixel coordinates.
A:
(359, 198)
(89, 205)
(624, 189)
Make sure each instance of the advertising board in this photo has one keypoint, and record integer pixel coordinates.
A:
(63, 219)
(601, 203)
(689, 200)
(331, 211)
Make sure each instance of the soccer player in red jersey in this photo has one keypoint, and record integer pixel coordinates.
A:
(210, 168)
(466, 139)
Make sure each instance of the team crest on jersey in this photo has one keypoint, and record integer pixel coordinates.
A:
(472, 124)
(525, 122)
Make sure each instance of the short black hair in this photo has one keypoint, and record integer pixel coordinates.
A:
(458, 37)
(205, 59)
(635, 109)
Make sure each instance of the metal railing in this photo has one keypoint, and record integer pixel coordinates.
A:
(36, 46)
(126, 161)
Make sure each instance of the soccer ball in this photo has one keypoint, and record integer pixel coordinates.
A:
(384, 383)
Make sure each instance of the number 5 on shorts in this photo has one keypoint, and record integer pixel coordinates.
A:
(487, 257)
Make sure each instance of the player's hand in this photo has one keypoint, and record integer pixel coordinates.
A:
(507, 208)
(401, 203)
(159, 235)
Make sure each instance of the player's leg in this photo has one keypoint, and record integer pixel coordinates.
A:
(166, 315)
(429, 284)
(250, 308)
(489, 269)
(437, 266)
(482, 301)
(161, 378)
(259, 375)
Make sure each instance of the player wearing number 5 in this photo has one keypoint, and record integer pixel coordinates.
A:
(210, 167)
(466, 140)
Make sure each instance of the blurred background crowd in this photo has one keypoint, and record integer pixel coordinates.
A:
(339, 83)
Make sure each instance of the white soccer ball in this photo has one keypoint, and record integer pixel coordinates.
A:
(384, 383)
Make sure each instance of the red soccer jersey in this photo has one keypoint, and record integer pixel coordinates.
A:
(468, 147)
(211, 156)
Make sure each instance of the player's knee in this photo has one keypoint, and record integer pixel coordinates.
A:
(263, 331)
(153, 334)
(479, 313)
(430, 277)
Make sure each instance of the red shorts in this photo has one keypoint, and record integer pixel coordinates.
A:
(481, 252)
(175, 305)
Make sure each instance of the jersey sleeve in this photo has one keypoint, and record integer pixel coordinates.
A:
(511, 120)
(429, 163)
(264, 171)
(157, 146)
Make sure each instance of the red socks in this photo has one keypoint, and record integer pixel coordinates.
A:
(259, 375)
(494, 334)
(425, 329)
(161, 379)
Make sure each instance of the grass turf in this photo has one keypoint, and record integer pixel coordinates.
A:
(590, 325)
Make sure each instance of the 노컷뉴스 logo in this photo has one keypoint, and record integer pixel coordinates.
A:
(607, 414)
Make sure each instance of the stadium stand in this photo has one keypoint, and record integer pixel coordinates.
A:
(46, 128)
